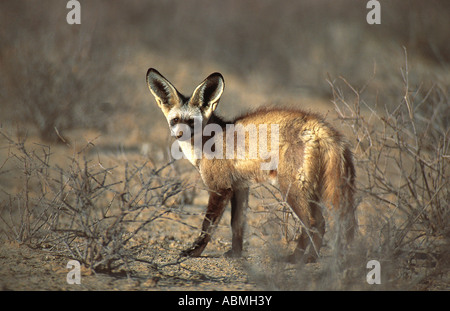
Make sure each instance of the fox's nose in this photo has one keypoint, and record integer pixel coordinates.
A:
(177, 132)
(183, 131)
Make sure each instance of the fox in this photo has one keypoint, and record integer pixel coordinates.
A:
(313, 165)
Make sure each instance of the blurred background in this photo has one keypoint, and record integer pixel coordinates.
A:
(92, 76)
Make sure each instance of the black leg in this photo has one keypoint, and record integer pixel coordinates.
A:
(216, 206)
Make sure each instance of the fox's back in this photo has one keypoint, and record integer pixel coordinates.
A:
(295, 126)
(307, 147)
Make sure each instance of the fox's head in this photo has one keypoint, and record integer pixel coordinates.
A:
(181, 110)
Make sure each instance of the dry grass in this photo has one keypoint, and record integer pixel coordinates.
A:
(85, 211)
(402, 155)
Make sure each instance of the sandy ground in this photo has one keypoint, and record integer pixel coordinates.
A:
(23, 268)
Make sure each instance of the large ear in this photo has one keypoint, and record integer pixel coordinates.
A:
(163, 91)
(208, 93)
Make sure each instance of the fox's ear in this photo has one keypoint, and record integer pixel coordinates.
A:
(208, 93)
(163, 91)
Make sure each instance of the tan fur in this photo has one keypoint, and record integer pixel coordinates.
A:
(315, 168)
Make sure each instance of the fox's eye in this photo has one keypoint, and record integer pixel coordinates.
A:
(175, 120)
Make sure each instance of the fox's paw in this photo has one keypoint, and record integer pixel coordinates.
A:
(192, 252)
(298, 257)
(232, 254)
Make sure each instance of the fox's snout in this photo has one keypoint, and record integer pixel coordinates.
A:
(184, 128)
(182, 131)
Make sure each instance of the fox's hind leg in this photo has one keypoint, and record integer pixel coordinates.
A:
(312, 222)
(239, 203)
(310, 240)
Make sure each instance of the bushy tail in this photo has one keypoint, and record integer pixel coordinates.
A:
(338, 181)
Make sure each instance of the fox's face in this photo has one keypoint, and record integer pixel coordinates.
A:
(184, 113)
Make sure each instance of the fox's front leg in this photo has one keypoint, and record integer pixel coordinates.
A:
(216, 205)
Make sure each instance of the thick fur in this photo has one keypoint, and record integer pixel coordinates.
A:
(315, 168)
